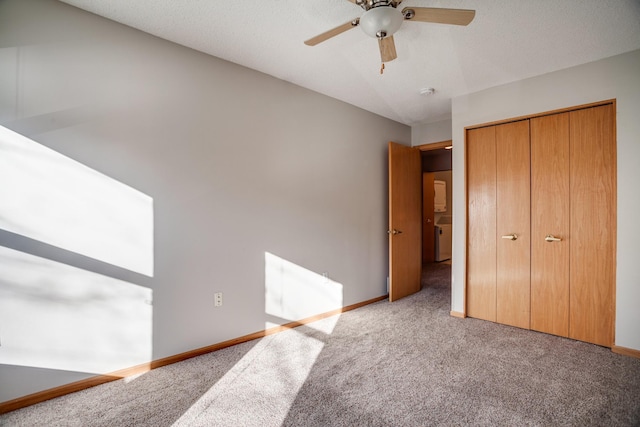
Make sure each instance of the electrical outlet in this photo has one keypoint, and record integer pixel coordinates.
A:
(217, 299)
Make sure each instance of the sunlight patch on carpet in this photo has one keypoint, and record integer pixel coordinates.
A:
(261, 388)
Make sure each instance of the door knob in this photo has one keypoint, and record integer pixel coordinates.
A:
(551, 238)
(394, 232)
(513, 236)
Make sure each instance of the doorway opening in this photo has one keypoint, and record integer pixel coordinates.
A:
(437, 214)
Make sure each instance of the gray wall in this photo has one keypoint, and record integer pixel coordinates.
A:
(238, 164)
(428, 133)
(616, 77)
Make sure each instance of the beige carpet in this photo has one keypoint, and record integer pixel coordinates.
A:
(403, 364)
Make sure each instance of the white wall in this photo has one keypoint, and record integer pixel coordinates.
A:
(616, 77)
(241, 168)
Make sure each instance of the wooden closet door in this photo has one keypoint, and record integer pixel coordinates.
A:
(513, 255)
(550, 217)
(593, 224)
(481, 223)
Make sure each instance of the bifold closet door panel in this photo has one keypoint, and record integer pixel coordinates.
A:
(593, 224)
(550, 219)
(481, 223)
(513, 252)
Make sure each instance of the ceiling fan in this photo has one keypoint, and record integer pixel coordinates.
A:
(382, 19)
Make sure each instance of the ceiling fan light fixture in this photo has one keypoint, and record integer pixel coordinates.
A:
(381, 21)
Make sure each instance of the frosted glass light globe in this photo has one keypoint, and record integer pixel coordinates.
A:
(385, 19)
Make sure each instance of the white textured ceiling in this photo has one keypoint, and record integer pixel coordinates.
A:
(508, 40)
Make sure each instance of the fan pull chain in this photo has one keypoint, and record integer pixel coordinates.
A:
(382, 68)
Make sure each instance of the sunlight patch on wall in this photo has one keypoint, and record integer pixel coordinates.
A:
(53, 199)
(293, 292)
(272, 373)
(59, 317)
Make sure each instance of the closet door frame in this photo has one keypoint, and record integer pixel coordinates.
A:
(613, 207)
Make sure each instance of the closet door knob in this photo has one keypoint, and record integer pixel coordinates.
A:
(513, 236)
(551, 238)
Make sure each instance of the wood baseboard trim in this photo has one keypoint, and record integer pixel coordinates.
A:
(41, 396)
(457, 314)
(626, 351)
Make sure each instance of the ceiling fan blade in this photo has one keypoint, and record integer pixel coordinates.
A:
(387, 49)
(333, 32)
(440, 16)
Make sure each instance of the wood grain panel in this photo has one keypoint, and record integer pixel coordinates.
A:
(593, 224)
(428, 230)
(481, 223)
(405, 216)
(513, 257)
(550, 215)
